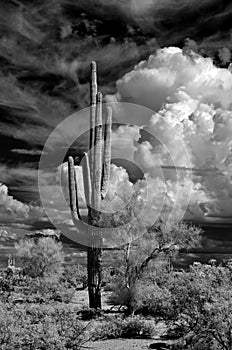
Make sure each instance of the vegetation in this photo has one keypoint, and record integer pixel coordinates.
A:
(194, 305)
(160, 244)
(31, 326)
(75, 276)
(200, 306)
(131, 327)
(41, 258)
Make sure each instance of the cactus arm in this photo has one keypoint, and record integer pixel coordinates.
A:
(93, 103)
(107, 153)
(73, 190)
(97, 176)
(76, 192)
(87, 179)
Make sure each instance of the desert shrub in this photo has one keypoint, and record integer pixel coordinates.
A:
(7, 285)
(196, 304)
(11, 284)
(148, 296)
(87, 314)
(42, 283)
(108, 330)
(41, 327)
(136, 327)
(151, 299)
(200, 307)
(41, 258)
(131, 327)
(48, 289)
(34, 290)
(74, 275)
(120, 294)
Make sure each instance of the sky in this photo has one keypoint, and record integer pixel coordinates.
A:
(44, 77)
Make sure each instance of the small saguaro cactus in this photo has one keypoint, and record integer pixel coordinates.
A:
(96, 177)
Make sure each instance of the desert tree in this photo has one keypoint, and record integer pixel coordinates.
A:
(145, 247)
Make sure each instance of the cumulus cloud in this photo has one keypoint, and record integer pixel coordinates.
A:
(191, 124)
(12, 210)
(10, 206)
(157, 80)
(123, 139)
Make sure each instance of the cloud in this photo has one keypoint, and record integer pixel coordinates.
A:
(123, 141)
(224, 55)
(33, 152)
(191, 124)
(13, 19)
(20, 174)
(13, 210)
(10, 205)
(158, 80)
(170, 21)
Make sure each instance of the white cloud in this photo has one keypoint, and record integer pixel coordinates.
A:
(10, 206)
(12, 209)
(192, 104)
(157, 80)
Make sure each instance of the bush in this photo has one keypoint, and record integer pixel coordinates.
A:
(120, 295)
(196, 304)
(148, 296)
(41, 327)
(201, 306)
(42, 258)
(34, 290)
(131, 327)
(151, 299)
(87, 314)
(74, 275)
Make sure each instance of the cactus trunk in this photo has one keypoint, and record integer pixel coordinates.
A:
(96, 177)
(94, 269)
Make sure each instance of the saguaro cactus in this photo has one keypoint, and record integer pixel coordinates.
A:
(96, 176)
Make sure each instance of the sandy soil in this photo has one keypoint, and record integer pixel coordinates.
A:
(120, 344)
